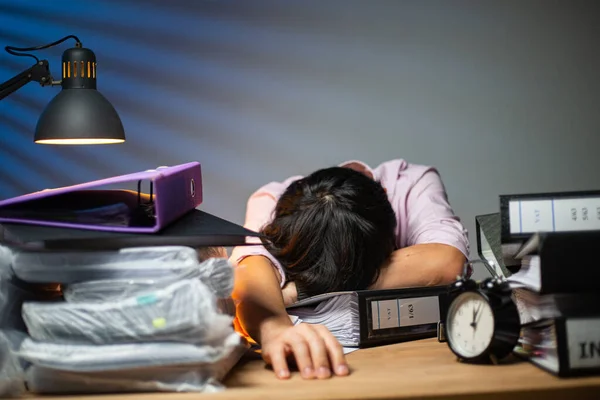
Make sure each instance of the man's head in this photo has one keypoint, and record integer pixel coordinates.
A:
(332, 230)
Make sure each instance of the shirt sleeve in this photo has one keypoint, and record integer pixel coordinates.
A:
(259, 212)
(430, 216)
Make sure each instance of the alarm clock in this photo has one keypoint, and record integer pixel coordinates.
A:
(482, 322)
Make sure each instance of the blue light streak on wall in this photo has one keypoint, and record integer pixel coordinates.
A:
(213, 81)
(261, 90)
(166, 70)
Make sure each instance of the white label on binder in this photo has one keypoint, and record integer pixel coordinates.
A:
(419, 311)
(388, 313)
(405, 312)
(583, 341)
(554, 215)
(375, 314)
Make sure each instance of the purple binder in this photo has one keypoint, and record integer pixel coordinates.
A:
(173, 192)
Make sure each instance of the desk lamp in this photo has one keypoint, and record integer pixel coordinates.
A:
(78, 114)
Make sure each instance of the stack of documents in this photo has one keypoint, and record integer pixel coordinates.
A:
(556, 293)
(113, 286)
(130, 320)
(12, 383)
(13, 294)
(366, 318)
(339, 314)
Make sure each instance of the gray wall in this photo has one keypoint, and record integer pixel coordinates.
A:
(501, 96)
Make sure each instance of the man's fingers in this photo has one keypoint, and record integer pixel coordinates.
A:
(318, 351)
(302, 355)
(335, 352)
(276, 356)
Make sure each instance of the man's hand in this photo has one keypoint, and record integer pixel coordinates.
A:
(290, 294)
(262, 316)
(316, 351)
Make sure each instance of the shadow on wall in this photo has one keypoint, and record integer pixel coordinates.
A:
(259, 91)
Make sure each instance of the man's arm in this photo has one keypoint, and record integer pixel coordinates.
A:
(258, 297)
(437, 243)
(262, 314)
(428, 264)
(260, 308)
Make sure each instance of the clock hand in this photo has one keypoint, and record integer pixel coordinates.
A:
(475, 317)
(478, 316)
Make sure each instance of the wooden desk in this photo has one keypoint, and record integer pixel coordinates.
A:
(422, 369)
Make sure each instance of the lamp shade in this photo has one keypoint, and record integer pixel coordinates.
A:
(79, 114)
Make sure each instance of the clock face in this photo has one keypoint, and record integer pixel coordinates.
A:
(470, 325)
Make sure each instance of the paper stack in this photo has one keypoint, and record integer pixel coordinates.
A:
(13, 293)
(339, 314)
(129, 320)
(365, 318)
(556, 293)
(142, 296)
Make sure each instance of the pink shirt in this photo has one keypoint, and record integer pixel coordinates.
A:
(416, 193)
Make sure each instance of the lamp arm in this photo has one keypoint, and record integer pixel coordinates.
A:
(39, 72)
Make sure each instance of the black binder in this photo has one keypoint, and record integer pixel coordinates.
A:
(506, 236)
(195, 229)
(374, 337)
(371, 331)
(568, 260)
(489, 246)
(576, 350)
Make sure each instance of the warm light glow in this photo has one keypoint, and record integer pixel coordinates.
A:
(79, 141)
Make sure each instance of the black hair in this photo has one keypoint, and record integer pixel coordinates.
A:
(332, 230)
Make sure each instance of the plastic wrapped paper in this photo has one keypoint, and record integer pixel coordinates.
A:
(12, 297)
(12, 382)
(111, 357)
(216, 273)
(141, 367)
(167, 379)
(14, 292)
(72, 267)
(184, 311)
(6, 259)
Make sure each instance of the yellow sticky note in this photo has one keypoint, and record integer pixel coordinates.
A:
(159, 322)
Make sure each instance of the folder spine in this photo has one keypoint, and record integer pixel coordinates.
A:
(399, 315)
(175, 191)
(180, 191)
(568, 262)
(577, 347)
(524, 214)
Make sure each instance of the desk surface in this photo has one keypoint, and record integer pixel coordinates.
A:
(412, 370)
